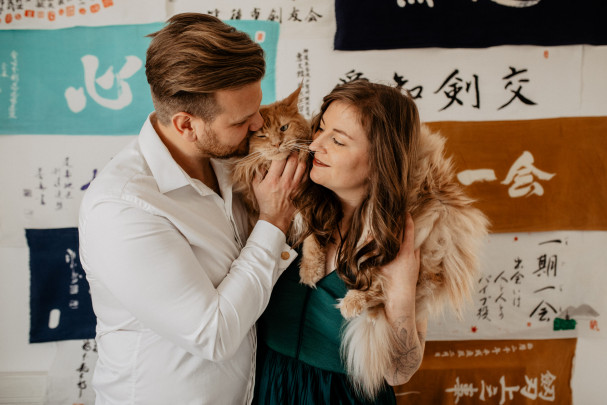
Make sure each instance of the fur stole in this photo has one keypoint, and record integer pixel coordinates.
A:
(449, 232)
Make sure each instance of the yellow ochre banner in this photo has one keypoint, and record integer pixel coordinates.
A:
(533, 175)
(492, 372)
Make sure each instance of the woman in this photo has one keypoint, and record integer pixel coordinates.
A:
(365, 139)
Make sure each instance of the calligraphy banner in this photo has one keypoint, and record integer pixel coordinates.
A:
(494, 84)
(71, 373)
(60, 300)
(540, 285)
(492, 371)
(533, 175)
(45, 178)
(90, 80)
(394, 24)
(27, 14)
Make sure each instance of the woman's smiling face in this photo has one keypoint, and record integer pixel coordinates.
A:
(341, 153)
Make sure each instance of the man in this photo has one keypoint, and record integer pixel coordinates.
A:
(175, 283)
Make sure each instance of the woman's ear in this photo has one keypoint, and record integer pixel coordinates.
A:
(184, 125)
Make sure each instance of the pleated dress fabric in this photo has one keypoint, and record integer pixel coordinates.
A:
(298, 359)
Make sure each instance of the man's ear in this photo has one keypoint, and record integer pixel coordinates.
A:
(185, 126)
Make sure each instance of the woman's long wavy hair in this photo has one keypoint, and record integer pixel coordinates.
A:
(391, 121)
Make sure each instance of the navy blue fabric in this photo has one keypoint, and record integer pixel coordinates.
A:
(363, 24)
(58, 282)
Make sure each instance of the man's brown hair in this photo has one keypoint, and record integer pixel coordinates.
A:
(192, 57)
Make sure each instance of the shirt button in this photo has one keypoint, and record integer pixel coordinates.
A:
(285, 255)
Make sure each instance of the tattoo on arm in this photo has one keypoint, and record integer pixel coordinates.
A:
(408, 352)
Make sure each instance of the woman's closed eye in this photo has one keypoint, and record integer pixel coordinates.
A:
(336, 142)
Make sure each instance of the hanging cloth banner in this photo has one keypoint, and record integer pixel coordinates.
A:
(533, 175)
(91, 80)
(60, 301)
(392, 24)
(492, 371)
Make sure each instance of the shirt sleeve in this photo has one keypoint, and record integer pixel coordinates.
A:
(148, 266)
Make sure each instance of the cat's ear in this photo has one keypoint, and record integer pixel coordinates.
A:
(292, 99)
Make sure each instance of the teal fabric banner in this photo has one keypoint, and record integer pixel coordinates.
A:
(90, 80)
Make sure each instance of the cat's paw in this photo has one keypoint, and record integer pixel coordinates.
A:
(353, 304)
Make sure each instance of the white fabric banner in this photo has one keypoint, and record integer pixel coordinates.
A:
(71, 374)
(45, 177)
(542, 285)
(51, 14)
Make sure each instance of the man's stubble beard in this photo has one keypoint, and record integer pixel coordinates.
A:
(211, 146)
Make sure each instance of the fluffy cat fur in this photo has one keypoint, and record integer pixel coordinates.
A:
(448, 232)
(284, 130)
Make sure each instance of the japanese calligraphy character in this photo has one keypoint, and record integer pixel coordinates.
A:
(467, 177)
(403, 3)
(274, 16)
(530, 390)
(294, 15)
(507, 390)
(85, 186)
(76, 99)
(546, 267)
(547, 382)
(521, 175)
(313, 15)
(414, 92)
(352, 75)
(543, 309)
(454, 85)
(236, 14)
(516, 94)
(489, 390)
(462, 390)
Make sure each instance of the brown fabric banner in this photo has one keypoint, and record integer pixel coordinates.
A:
(492, 372)
(534, 175)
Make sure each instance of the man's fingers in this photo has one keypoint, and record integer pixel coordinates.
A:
(290, 166)
(299, 172)
(276, 168)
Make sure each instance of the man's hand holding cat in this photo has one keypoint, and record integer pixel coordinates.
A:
(273, 191)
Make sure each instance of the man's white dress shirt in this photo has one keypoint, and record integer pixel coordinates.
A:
(175, 284)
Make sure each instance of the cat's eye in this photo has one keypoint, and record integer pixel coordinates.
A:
(284, 127)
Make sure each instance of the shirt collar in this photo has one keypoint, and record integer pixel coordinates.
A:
(168, 174)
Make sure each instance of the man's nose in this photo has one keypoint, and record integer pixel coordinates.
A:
(256, 123)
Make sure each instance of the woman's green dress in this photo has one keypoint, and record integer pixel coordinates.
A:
(298, 359)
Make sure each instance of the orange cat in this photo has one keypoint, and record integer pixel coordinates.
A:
(448, 232)
(284, 131)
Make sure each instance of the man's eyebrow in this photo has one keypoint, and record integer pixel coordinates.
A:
(240, 121)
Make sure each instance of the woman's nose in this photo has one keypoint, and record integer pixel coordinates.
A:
(316, 144)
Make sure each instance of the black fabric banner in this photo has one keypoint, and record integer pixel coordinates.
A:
(60, 301)
(391, 24)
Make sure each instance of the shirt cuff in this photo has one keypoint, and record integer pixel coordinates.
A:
(270, 237)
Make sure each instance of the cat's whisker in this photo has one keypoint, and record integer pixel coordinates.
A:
(250, 157)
